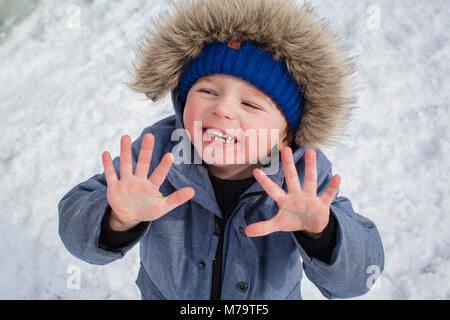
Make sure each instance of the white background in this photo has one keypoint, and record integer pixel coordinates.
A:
(64, 100)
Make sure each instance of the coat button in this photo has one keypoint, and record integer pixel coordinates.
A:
(242, 286)
(242, 231)
(202, 264)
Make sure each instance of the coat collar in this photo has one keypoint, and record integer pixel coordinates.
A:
(196, 175)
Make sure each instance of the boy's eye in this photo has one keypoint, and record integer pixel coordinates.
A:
(251, 105)
(207, 91)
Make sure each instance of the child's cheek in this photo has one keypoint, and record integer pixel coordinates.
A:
(189, 116)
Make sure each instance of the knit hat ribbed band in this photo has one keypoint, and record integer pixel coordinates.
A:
(249, 62)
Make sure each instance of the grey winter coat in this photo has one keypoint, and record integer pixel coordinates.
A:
(173, 247)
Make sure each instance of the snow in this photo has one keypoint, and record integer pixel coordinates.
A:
(64, 100)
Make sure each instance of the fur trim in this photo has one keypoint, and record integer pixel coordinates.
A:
(286, 29)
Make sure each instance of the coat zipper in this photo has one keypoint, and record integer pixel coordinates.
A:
(219, 230)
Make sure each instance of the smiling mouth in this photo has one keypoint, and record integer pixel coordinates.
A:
(217, 135)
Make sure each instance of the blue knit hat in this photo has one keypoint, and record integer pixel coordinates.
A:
(249, 62)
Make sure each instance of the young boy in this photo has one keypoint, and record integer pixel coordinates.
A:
(248, 79)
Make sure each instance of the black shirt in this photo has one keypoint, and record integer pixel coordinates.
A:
(228, 191)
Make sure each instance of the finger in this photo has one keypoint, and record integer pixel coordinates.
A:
(126, 164)
(272, 189)
(310, 183)
(178, 198)
(333, 187)
(145, 156)
(261, 228)
(160, 173)
(110, 172)
(290, 171)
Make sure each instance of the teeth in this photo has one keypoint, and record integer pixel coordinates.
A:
(219, 136)
(214, 132)
(230, 140)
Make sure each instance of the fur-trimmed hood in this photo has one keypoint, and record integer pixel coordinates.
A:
(288, 30)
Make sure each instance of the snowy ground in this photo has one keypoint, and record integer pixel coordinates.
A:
(63, 100)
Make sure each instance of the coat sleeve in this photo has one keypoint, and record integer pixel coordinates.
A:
(358, 251)
(81, 212)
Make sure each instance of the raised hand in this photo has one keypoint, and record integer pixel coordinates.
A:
(135, 198)
(299, 210)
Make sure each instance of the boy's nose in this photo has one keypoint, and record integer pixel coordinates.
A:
(224, 109)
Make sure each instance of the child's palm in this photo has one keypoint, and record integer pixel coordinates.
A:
(299, 210)
(136, 198)
(133, 197)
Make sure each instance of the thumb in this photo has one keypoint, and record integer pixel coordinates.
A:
(261, 228)
(178, 198)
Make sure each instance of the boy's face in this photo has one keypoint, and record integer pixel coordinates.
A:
(234, 106)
